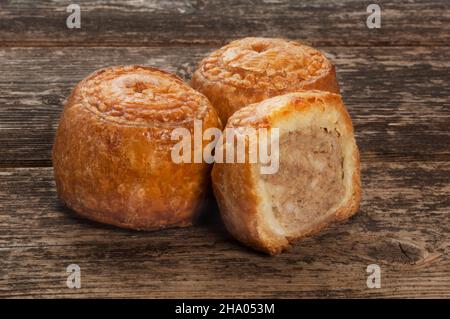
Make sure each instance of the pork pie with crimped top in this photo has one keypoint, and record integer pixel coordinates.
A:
(251, 70)
(318, 180)
(112, 153)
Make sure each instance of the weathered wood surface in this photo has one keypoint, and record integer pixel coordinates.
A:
(398, 97)
(395, 84)
(403, 225)
(150, 23)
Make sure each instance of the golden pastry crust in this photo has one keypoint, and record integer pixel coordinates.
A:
(245, 204)
(112, 152)
(251, 70)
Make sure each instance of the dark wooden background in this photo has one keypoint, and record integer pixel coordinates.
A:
(395, 82)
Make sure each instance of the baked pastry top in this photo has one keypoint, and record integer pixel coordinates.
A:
(250, 70)
(141, 96)
(318, 180)
(112, 152)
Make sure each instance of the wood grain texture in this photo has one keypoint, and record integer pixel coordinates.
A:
(403, 226)
(394, 81)
(397, 97)
(155, 23)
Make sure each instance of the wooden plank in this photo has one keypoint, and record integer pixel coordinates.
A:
(394, 81)
(155, 23)
(403, 226)
(398, 97)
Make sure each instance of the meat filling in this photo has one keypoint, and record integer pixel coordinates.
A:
(309, 181)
